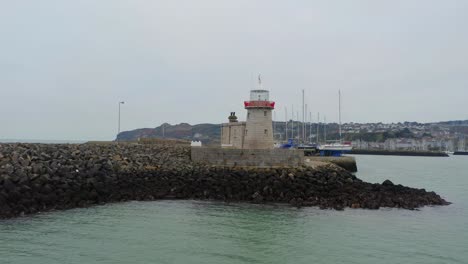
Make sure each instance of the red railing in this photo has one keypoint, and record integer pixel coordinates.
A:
(259, 104)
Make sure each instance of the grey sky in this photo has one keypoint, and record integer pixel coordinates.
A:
(64, 65)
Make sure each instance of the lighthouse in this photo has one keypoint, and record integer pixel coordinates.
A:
(250, 143)
(259, 123)
(257, 131)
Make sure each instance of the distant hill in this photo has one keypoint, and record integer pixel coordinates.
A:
(207, 133)
(210, 134)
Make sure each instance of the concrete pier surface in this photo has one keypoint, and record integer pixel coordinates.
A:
(43, 177)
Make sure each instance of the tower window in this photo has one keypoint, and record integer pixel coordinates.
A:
(264, 113)
(266, 131)
(246, 132)
(248, 115)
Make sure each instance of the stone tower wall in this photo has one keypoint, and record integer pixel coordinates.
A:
(259, 129)
(232, 134)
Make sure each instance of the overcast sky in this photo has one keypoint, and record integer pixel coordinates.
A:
(65, 65)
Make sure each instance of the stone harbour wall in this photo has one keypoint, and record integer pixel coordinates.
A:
(38, 177)
(259, 158)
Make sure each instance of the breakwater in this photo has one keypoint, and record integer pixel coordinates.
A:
(345, 162)
(40, 177)
(398, 153)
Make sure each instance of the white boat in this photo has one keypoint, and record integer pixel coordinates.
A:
(336, 147)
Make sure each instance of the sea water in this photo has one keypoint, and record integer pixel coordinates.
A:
(186, 231)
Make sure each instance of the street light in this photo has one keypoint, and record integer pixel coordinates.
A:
(118, 131)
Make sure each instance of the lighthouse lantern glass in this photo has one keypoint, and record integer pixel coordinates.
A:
(259, 95)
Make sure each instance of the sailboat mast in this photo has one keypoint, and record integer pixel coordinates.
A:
(286, 123)
(325, 129)
(292, 123)
(339, 114)
(318, 128)
(298, 128)
(310, 128)
(303, 116)
(305, 124)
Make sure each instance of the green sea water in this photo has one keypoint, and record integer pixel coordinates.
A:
(215, 232)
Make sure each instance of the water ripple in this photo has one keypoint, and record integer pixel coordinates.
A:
(216, 232)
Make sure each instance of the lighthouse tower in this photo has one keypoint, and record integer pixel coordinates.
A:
(259, 124)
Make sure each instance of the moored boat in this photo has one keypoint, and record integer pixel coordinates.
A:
(334, 149)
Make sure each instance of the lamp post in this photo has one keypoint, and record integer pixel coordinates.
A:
(118, 130)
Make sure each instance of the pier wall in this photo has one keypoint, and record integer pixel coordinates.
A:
(262, 158)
